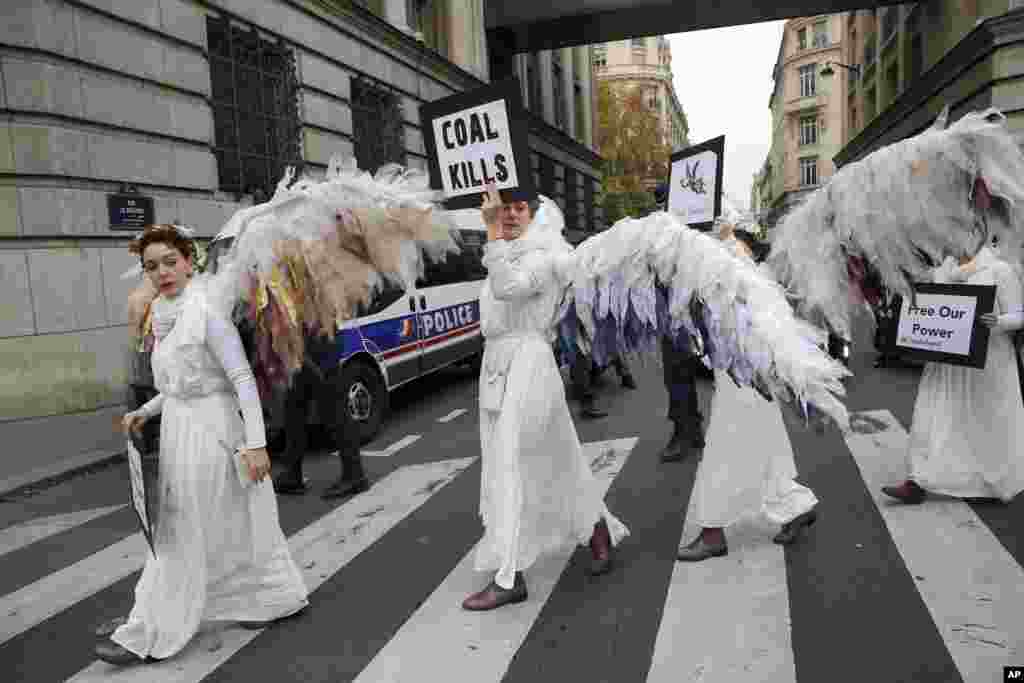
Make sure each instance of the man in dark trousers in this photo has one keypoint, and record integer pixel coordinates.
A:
(682, 368)
(317, 381)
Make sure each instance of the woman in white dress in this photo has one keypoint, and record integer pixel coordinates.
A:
(743, 475)
(220, 554)
(967, 437)
(537, 492)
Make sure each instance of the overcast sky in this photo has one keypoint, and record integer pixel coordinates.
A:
(723, 78)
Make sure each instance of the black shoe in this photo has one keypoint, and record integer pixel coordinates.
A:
(791, 530)
(674, 451)
(698, 550)
(346, 487)
(289, 484)
(112, 653)
(628, 382)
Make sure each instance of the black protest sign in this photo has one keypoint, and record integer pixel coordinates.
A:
(695, 183)
(475, 138)
(942, 325)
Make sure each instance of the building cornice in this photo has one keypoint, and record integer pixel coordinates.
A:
(908, 115)
(812, 52)
(344, 15)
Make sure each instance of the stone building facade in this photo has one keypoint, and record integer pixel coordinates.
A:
(197, 105)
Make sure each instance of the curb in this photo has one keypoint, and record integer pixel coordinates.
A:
(58, 472)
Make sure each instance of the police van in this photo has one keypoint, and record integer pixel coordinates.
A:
(402, 335)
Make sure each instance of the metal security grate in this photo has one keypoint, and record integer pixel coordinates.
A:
(255, 108)
(377, 125)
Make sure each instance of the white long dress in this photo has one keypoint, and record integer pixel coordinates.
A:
(537, 492)
(220, 551)
(967, 437)
(747, 468)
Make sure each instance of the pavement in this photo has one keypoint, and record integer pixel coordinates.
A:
(874, 592)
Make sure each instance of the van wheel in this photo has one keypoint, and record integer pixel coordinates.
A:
(365, 397)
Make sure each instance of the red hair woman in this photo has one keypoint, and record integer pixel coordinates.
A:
(220, 554)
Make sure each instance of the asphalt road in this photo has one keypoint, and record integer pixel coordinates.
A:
(875, 592)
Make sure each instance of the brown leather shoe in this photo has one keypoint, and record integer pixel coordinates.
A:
(908, 492)
(698, 549)
(494, 596)
(791, 530)
(601, 550)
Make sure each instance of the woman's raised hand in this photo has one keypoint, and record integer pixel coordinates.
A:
(491, 209)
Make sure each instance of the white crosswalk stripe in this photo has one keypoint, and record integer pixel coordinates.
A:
(440, 633)
(21, 535)
(969, 582)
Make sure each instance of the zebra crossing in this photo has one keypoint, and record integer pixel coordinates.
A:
(876, 592)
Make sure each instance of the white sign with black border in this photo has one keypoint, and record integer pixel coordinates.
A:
(695, 183)
(476, 138)
(942, 326)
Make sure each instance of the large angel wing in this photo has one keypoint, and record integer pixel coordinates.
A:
(886, 220)
(645, 278)
(306, 260)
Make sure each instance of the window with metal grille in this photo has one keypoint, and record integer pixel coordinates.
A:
(809, 130)
(588, 203)
(255, 108)
(547, 176)
(377, 125)
(808, 80)
(536, 100)
(558, 89)
(808, 171)
(571, 199)
(916, 66)
(889, 23)
(600, 56)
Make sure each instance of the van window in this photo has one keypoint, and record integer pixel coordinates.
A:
(387, 295)
(464, 265)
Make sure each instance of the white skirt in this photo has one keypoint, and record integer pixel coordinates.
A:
(537, 492)
(220, 551)
(748, 467)
(967, 438)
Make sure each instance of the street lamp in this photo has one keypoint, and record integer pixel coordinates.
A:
(827, 72)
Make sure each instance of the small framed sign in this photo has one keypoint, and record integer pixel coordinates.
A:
(695, 183)
(475, 138)
(942, 326)
(129, 211)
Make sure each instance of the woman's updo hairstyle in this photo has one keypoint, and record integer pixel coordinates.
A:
(164, 233)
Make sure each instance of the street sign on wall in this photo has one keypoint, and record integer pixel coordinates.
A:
(129, 211)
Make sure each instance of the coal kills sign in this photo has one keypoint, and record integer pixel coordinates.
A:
(477, 138)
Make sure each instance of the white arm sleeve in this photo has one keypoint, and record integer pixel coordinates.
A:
(226, 346)
(151, 408)
(511, 281)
